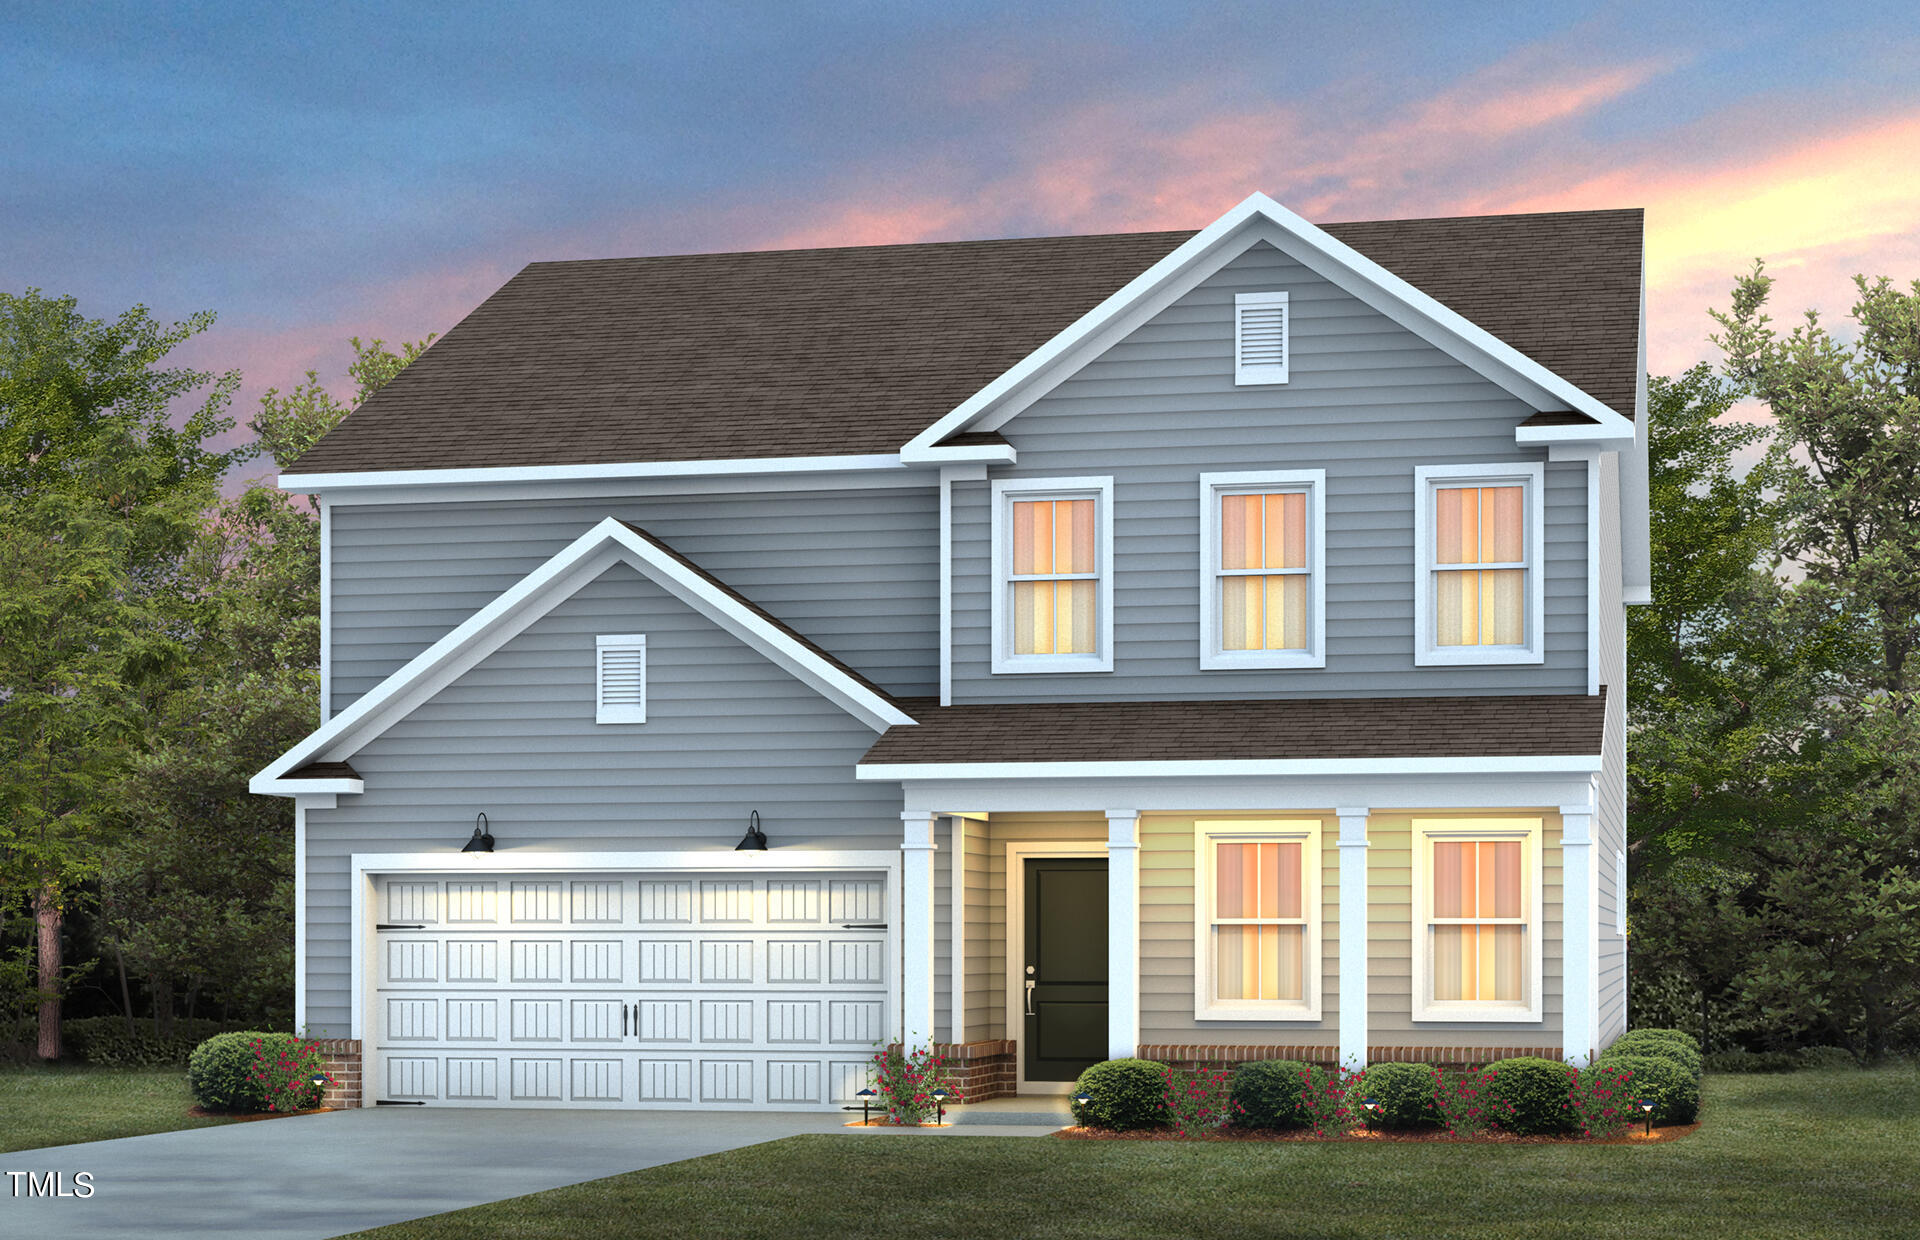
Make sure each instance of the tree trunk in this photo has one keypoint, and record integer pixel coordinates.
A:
(126, 994)
(47, 916)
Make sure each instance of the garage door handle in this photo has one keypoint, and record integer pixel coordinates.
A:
(623, 1020)
(384, 926)
(863, 925)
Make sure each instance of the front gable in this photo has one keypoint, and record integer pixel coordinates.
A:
(1261, 222)
(672, 586)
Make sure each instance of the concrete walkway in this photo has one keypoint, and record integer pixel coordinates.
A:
(319, 1176)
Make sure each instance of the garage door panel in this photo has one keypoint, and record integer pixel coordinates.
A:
(603, 990)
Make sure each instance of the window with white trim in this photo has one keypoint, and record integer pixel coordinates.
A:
(1261, 348)
(1479, 584)
(1053, 575)
(1263, 597)
(620, 678)
(1257, 929)
(1477, 919)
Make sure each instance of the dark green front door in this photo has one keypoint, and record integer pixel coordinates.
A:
(1065, 974)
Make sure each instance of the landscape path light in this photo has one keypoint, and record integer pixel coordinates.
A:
(940, 1097)
(1646, 1108)
(1370, 1106)
(866, 1103)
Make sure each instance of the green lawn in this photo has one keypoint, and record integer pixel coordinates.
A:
(42, 1106)
(1829, 1153)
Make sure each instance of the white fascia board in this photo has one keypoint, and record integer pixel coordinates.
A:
(1326, 256)
(600, 548)
(1612, 437)
(986, 453)
(1231, 767)
(304, 788)
(315, 483)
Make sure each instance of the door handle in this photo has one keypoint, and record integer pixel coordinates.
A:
(1030, 985)
(623, 1020)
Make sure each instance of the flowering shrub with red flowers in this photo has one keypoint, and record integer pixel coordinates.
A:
(1465, 1105)
(1324, 1098)
(1200, 1100)
(1601, 1103)
(256, 1071)
(905, 1081)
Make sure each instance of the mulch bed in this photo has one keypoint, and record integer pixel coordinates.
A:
(202, 1113)
(1669, 1132)
(881, 1123)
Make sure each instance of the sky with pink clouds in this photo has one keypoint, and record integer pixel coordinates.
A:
(313, 172)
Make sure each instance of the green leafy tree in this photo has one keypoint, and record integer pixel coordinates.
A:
(290, 424)
(101, 487)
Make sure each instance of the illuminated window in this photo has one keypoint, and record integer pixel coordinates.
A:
(1477, 919)
(1257, 936)
(1479, 587)
(1263, 589)
(1052, 559)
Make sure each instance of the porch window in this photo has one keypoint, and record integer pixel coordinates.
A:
(1477, 902)
(1258, 945)
(1479, 583)
(1053, 558)
(1263, 589)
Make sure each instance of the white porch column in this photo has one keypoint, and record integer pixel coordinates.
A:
(1353, 937)
(1578, 939)
(916, 929)
(1123, 933)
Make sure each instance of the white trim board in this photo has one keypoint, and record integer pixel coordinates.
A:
(609, 543)
(566, 473)
(1260, 218)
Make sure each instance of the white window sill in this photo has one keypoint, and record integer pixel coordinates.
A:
(1276, 1012)
(1476, 656)
(1031, 664)
(1478, 1013)
(1264, 660)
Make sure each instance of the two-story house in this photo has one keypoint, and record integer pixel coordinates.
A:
(1208, 646)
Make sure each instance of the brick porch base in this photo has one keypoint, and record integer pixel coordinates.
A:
(340, 1057)
(980, 1070)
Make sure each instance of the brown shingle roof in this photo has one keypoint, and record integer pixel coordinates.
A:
(1403, 727)
(854, 351)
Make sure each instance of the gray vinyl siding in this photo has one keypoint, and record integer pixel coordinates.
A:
(727, 732)
(1390, 946)
(1167, 917)
(1610, 822)
(1367, 401)
(855, 570)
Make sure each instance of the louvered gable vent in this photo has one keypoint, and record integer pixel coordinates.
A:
(620, 679)
(1260, 338)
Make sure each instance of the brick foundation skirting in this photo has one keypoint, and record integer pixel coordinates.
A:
(340, 1058)
(980, 1070)
(1190, 1055)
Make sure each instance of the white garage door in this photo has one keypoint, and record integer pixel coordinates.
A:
(595, 989)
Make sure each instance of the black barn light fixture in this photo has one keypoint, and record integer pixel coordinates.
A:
(482, 840)
(755, 840)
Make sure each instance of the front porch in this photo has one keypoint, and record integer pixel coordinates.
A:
(967, 943)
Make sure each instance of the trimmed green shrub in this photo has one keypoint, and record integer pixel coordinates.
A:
(1674, 1091)
(1753, 1061)
(1665, 1043)
(251, 1071)
(1274, 1093)
(1405, 1092)
(1124, 1094)
(1528, 1095)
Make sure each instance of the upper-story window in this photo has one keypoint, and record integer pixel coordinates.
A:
(1478, 584)
(1261, 348)
(1263, 581)
(1053, 575)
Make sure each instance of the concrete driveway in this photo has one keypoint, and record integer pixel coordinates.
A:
(326, 1175)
